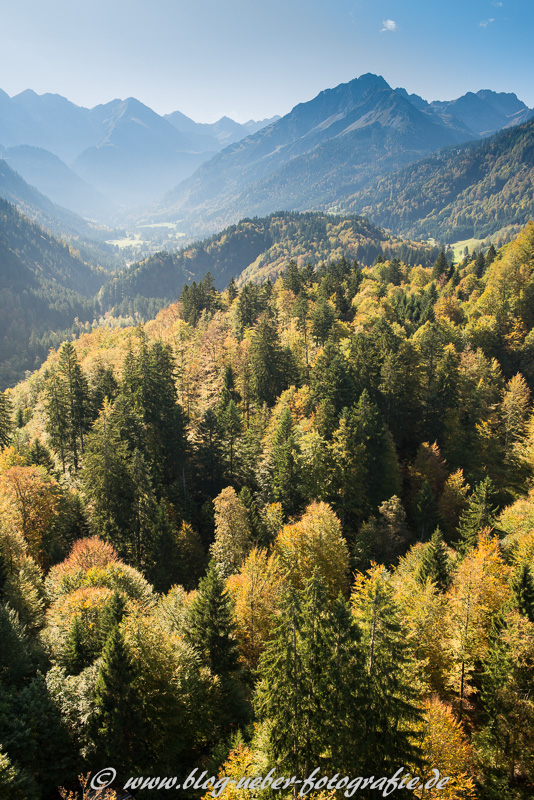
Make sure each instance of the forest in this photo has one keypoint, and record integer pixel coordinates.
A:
(285, 525)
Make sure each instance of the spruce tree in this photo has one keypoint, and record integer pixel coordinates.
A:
(211, 627)
(77, 654)
(523, 589)
(285, 476)
(435, 563)
(480, 513)
(426, 511)
(118, 724)
(77, 401)
(6, 423)
(441, 266)
(268, 362)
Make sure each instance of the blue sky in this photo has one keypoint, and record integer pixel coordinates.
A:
(252, 59)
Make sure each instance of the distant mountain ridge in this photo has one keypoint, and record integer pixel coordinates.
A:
(123, 149)
(324, 149)
(464, 192)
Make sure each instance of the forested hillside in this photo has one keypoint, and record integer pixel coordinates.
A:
(292, 522)
(463, 192)
(44, 288)
(255, 250)
(49, 291)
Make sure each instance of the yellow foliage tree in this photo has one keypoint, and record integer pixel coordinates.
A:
(478, 593)
(445, 748)
(29, 500)
(255, 592)
(315, 545)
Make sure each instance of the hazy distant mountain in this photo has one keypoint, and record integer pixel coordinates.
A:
(58, 125)
(56, 180)
(123, 149)
(485, 112)
(342, 138)
(217, 135)
(140, 154)
(462, 192)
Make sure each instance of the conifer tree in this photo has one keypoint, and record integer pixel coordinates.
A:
(77, 402)
(211, 627)
(268, 362)
(435, 563)
(390, 711)
(295, 671)
(441, 266)
(523, 589)
(77, 654)
(232, 427)
(426, 511)
(285, 482)
(107, 481)
(209, 454)
(479, 514)
(56, 417)
(6, 424)
(117, 724)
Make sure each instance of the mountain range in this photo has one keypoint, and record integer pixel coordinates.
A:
(328, 148)
(123, 149)
(122, 155)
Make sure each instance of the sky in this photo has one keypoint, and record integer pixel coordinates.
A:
(250, 60)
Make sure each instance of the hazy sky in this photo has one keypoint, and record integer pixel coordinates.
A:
(250, 59)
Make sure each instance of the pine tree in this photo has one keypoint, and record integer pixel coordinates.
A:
(435, 563)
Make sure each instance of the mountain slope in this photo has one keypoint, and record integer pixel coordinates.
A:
(306, 156)
(485, 112)
(43, 288)
(463, 192)
(56, 180)
(140, 155)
